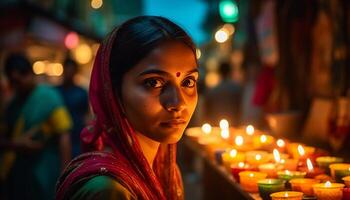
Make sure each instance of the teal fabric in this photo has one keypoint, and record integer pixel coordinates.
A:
(101, 187)
(33, 175)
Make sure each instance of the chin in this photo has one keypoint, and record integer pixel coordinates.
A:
(171, 138)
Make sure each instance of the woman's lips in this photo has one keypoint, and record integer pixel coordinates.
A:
(174, 123)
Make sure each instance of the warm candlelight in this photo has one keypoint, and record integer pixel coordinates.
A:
(270, 169)
(301, 151)
(206, 128)
(232, 156)
(256, 158)
(328, 190)
(263, 141)
(303, 185)
(250, 130)
(310, 170)
(287, 175)
(269, 186)
(249, 180)
(276, 156)
(289, 164)
(240, 167)
(287, 195)
(239, 140)
(280, 143)
(224, 124)
(225, 133)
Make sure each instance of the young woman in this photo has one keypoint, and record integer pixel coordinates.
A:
(143, 93)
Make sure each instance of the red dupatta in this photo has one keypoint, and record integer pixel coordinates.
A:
(126, 162)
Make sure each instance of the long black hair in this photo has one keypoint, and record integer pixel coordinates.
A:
(137, 37)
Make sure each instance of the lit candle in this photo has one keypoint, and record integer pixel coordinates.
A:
(249, 180)
(299, 151)
(303, 185)
(287, 175)
(280, 143)
(270, 169)
(287, 195)
(256, 158)
(269, 186)
(225, 133)
(289, 164)
(206, 128)
(250, 130)
(263, 142)
(232, 156)
(276, 156)
(224, 124)
(310, 170)
(240, 167)
(328, 190)
(339, 170)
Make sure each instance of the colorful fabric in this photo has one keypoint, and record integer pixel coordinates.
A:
(42, 116)
(126, 162)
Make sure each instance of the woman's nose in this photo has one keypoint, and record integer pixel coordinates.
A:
(173, 100)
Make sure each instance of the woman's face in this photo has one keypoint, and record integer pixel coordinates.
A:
(159, 94)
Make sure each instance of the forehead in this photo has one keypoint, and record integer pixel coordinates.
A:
(171, 57)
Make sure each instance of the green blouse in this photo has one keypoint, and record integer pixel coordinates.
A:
(102, 187)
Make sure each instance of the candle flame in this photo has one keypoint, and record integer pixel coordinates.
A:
(280, 143)
(206, 128)
(286, 194)
(225, 133)
(327, 184)
(301, 150)
(257, 157)
(250, 130)
(241, 164)
(309, 165)
(239, 140)
(283, 161)
(263, 138)
(224, 124)
(251, 175)
(233, 153)
(287, 172)
(277, 156)
(269, 181)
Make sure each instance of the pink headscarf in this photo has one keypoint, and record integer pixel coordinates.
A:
(126, 163)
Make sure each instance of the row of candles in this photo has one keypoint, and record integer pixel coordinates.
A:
(274, 168)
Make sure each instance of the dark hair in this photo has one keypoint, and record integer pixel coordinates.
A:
(17, 62)
(137, 37)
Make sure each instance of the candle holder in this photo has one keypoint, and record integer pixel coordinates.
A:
(312, 173)
(270, 169)
(240, 167)
(269, 186)
(288, 175)
(324, 162)
(303, 185)
(328, 190)
(249, 180)
(287, 195)
(256, 158)
(339, 170)
(346, 180)
(232, 156)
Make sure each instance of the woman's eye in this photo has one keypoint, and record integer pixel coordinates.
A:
(153, 83)
(190, 83)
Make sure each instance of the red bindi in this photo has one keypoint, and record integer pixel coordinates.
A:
(178, 74)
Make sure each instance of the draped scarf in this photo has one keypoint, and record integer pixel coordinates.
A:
(125, 162)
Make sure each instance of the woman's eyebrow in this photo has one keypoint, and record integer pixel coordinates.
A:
(164, 73)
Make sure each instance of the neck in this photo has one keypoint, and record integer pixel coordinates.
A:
(149, 147)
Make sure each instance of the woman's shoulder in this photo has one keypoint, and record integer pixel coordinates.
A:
(102, 187)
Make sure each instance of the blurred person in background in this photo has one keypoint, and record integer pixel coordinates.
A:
(224, 100)
(76, 100)
(36, 144)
